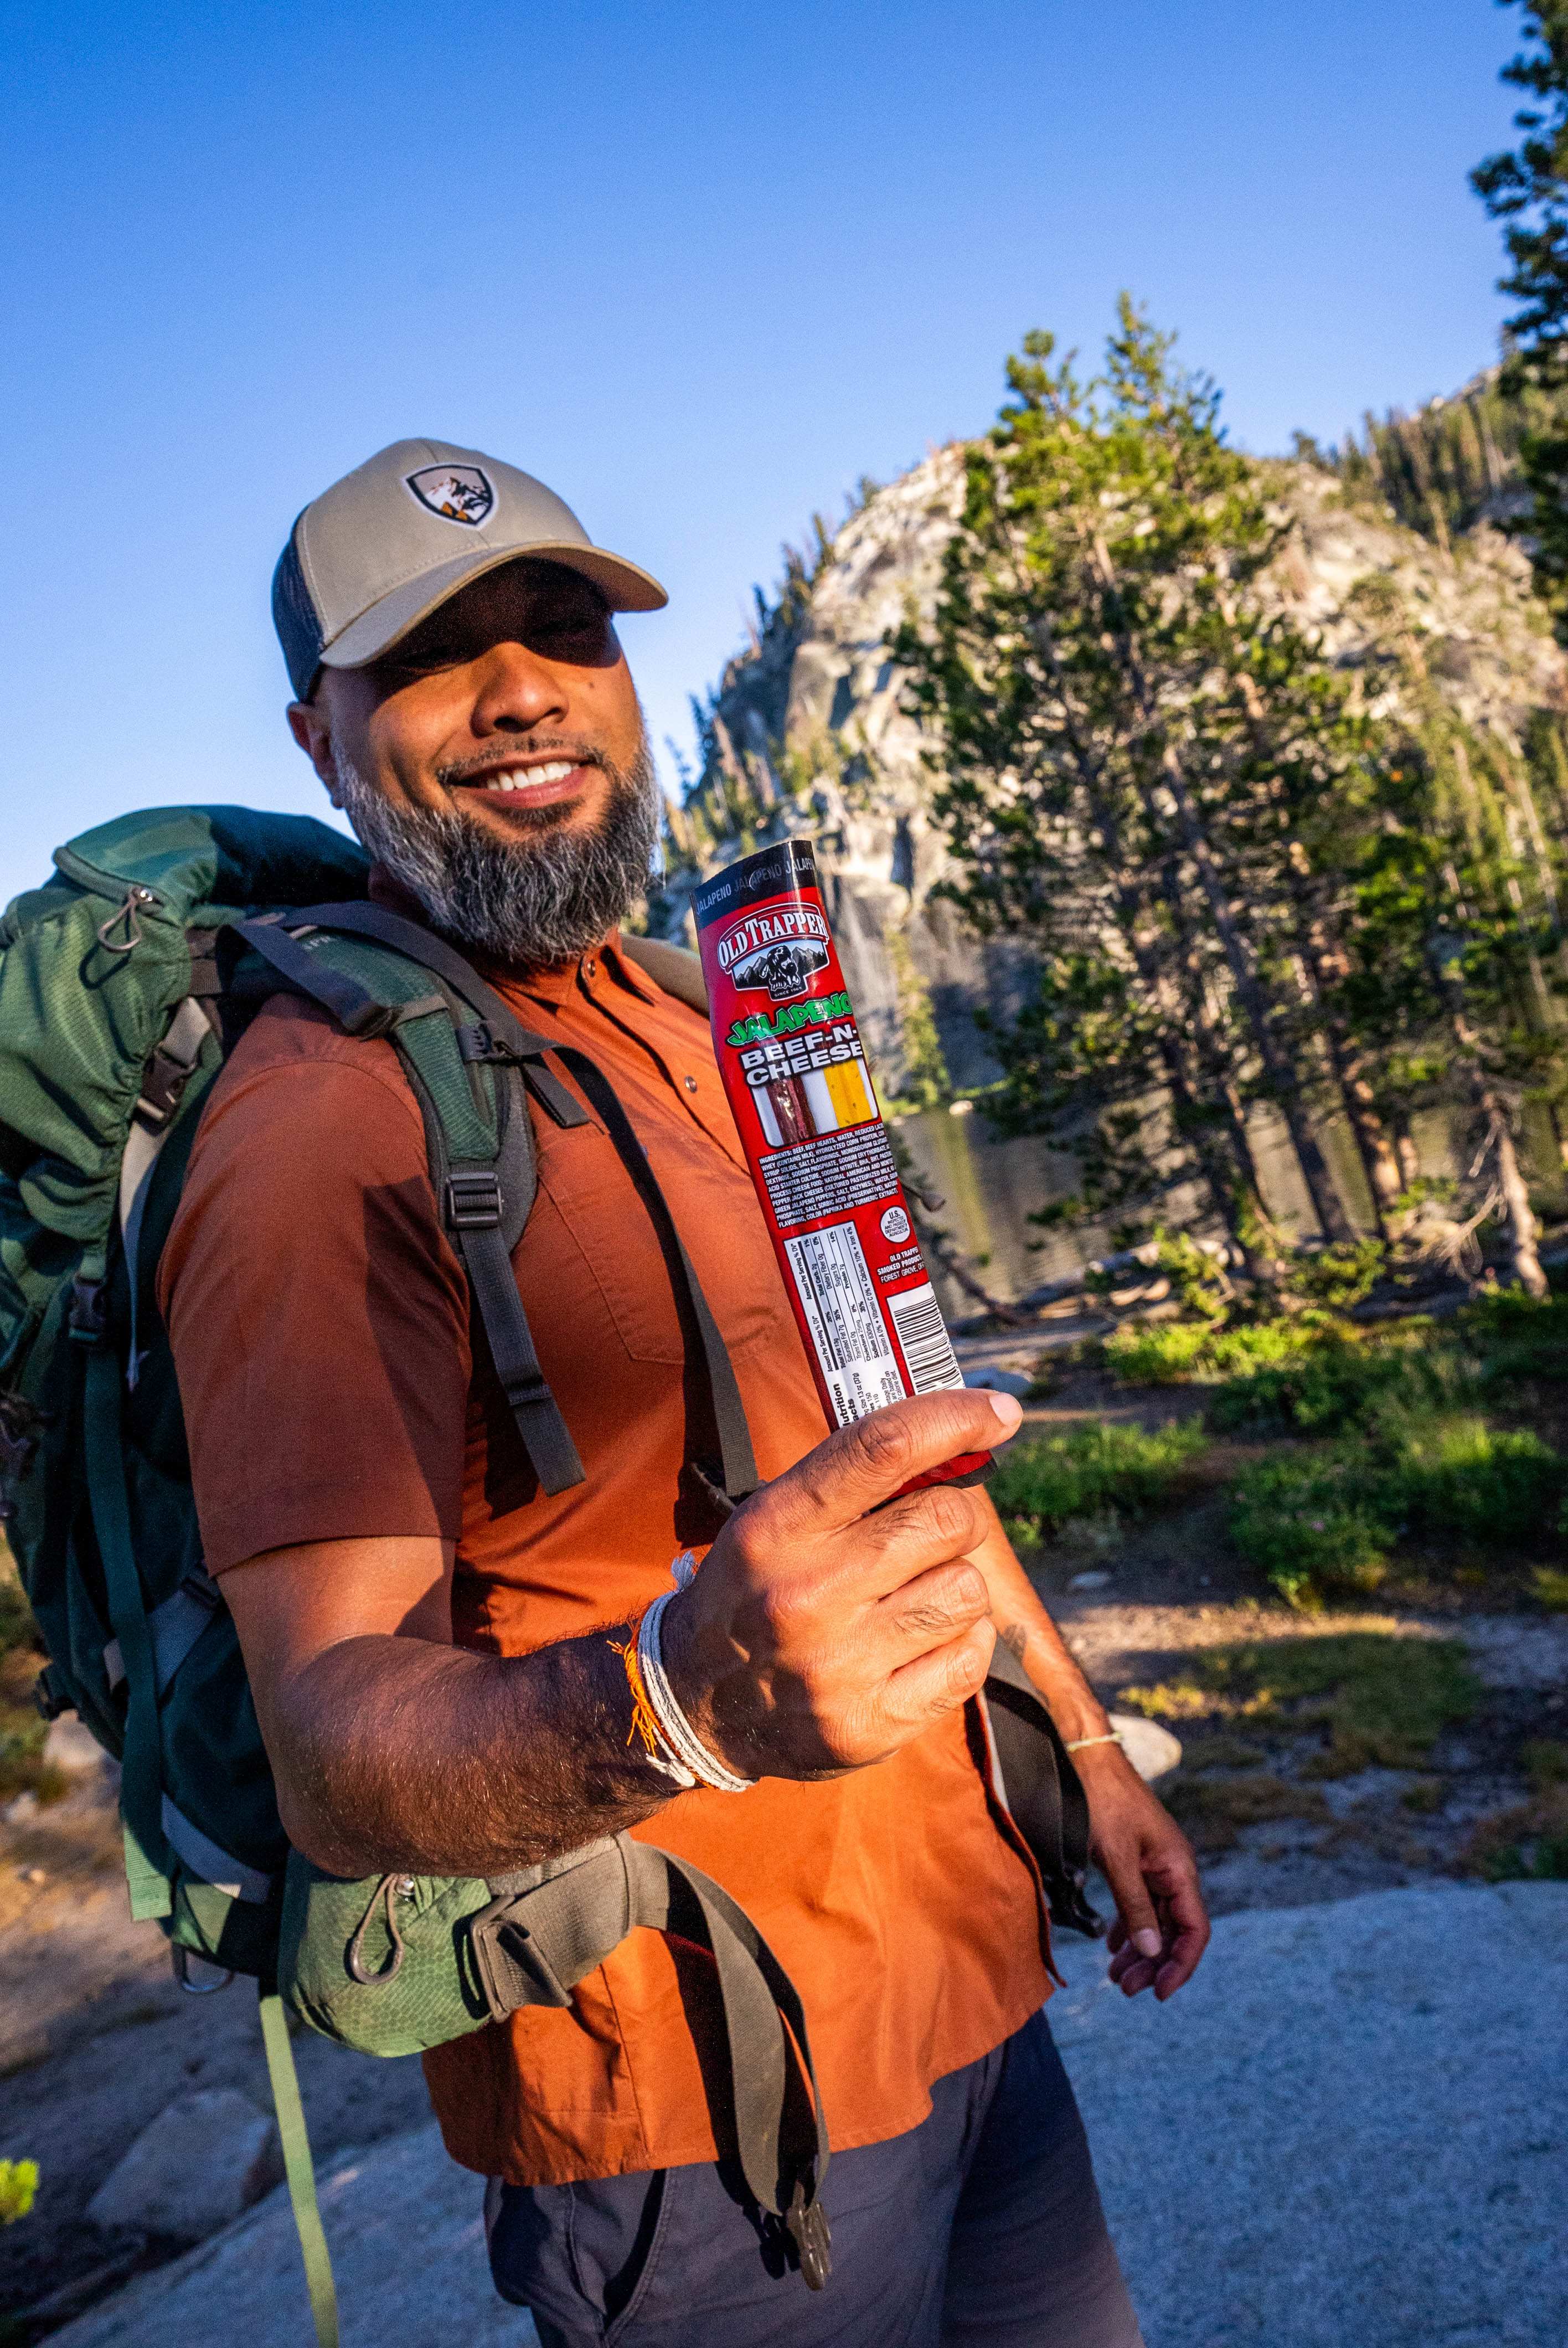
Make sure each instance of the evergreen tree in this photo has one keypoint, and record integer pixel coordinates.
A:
(1232, 885)
(1130, 747)
(1528, 189)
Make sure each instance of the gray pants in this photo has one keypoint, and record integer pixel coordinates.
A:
(983, 2225)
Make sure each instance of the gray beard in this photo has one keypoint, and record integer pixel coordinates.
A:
(545, 897)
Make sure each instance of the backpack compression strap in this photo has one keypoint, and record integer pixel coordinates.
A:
(466, 1146)
(498, 1037)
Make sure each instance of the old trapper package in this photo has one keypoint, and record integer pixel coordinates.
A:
(794, 1070)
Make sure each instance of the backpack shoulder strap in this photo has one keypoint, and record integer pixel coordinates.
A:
(498, 1037)
(478, 1138)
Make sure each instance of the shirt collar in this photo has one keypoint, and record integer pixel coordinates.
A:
(552, 982)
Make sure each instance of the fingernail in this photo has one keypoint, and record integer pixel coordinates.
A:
(1146, 1943)
(1008, 1408)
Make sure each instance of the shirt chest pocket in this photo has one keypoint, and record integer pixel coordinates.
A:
(716, 1210)
(600, 1206)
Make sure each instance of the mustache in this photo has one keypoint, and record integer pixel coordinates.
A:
(529, 746)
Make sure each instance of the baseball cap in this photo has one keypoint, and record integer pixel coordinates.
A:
(376, 553)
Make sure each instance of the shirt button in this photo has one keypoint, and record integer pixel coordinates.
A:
(689, 1083)
(590, 967)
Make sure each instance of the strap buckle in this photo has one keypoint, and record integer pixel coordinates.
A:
(89, 1316)
(474, 1200)
(806, 2224)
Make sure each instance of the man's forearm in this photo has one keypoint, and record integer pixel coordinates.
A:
(401, 1754)
(1023, 1624)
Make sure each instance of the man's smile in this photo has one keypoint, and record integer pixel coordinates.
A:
(538, 782)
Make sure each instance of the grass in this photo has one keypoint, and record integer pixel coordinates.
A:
(1213, 1810)
(1367, 1697)
(1183, 1353)
(1324, 1523)
(1040, 1487)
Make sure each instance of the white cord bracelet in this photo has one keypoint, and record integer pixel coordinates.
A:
(1077, 1744)
(685, 1758)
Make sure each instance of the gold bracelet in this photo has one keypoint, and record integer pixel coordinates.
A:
(1077, 1744)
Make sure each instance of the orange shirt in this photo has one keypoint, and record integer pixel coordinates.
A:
(320, 1321)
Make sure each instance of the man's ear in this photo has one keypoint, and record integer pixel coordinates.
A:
(312, 729)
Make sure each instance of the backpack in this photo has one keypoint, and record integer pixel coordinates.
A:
(124, 981)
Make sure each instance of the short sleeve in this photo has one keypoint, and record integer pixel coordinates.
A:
(318, 1317)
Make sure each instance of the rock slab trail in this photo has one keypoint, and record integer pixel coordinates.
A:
(1350, 2126)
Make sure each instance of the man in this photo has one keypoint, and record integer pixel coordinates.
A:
(437, 1649)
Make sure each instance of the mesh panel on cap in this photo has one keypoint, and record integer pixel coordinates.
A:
(295, 618)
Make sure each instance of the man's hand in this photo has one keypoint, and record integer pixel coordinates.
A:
(1162, 1926)
(830, 1624)
(1161, 1929)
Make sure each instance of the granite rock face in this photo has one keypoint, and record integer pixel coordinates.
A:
(809, 737)
(204, 2158)
(1348, 2128)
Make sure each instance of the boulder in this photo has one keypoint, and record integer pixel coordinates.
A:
(205, 2157)
(1012, 1382)
(1152, 1750)
(71, 1747)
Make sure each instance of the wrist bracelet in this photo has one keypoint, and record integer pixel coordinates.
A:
(686, 1748)
(1077, 1744)
(644, 1726)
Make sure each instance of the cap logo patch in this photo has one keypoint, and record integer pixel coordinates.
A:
(456, 492)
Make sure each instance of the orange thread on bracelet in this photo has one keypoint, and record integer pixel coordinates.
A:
(643, 1724)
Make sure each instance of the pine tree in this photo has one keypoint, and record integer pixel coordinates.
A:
(1528, 189)
(1131, 749)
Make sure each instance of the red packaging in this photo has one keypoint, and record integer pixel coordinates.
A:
(794, 1071)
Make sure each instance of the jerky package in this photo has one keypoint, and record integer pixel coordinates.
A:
(794, 1070)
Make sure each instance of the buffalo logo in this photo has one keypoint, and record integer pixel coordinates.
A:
(786, 969)
(456, 492)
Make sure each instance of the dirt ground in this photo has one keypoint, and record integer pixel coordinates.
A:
(95, 2038)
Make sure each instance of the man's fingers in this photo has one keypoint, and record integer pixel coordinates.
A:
(930, 1610)
(866, 1464)
(937, 1682)
(1188, 1932)
(1134, 1905)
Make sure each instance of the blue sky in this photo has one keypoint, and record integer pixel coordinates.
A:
(698, 266)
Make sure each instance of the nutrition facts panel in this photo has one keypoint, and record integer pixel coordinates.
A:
(838, 1298)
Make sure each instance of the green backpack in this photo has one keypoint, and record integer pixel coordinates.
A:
(123, 982)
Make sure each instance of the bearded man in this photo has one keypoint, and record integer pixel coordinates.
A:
(438, 1647)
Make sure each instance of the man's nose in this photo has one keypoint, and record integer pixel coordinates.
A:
(516, 690)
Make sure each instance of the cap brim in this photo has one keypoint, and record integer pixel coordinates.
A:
(624, 587)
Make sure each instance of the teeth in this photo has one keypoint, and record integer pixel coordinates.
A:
(556, 772)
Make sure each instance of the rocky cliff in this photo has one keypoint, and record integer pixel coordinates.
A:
(806, 734)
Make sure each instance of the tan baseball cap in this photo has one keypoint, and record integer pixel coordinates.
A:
(376, 553)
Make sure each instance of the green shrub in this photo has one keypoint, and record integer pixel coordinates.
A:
(1037, 1487)
(1515, 1339)
(1456, 1476)
(1334, 1383)
(1179, 1353)
(1324, 1522)
(1340, 1275)
(18, 2184)
(1313, 1526)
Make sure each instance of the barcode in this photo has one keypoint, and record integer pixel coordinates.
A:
(839, 1300)
(923, 1333)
